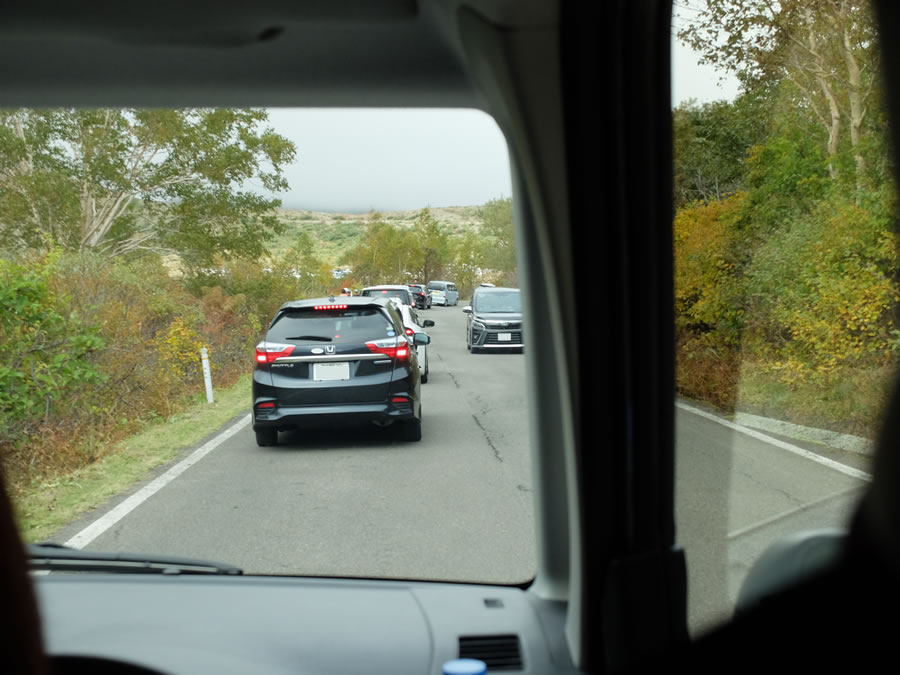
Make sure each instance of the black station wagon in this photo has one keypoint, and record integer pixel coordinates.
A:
(332, 362)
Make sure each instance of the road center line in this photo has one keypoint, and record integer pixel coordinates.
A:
(114, 515)
(824, 461)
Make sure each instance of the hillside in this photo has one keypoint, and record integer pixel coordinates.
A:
(335, 233)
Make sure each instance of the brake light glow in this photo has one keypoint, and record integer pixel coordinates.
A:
(267, 352)
(326, 307)
(410, 331)
(395, 348)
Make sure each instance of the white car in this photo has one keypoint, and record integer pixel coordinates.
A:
(389, 291)
(413, 325)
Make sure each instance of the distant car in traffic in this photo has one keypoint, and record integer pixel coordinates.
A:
(494, 319)
(390, 291)
(443, 293)
(412, 325)
(421, 296)
(332, 362)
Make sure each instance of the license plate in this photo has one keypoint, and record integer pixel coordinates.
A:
(504, 337)
(331, 371)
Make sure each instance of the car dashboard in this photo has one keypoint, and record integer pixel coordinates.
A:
(208, 624)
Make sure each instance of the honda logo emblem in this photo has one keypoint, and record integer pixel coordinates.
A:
(329, 349)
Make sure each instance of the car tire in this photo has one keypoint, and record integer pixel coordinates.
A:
(411, 432)
(266, 437)
(425, 374)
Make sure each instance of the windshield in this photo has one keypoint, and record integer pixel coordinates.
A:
(498, 302)
(145, 256)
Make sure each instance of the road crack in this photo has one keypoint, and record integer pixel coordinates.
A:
(787, 495)
(487, 437)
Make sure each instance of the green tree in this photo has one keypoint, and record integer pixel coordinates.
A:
(826, 50)
(386, 255)
(497, 224)
(711, 144)
(125, 180)
(431, 248)
(467, 261)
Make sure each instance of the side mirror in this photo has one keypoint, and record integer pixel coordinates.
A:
(467, 309)
(427, 323)
(421, 339)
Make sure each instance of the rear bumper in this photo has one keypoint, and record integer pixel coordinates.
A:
(352, 414)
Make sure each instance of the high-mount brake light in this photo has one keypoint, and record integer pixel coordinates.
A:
(267, 352)
(321, 307)
(395, 348)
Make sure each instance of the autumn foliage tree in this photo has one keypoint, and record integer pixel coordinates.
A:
(786, 250)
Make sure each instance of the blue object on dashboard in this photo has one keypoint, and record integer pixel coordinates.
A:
(465, 667)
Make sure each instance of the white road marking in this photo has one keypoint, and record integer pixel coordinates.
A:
(787, 514)
(106, 521)
(824, 461)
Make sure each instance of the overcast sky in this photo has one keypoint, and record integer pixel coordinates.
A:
(389, 160)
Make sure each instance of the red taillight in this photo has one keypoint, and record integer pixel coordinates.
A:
(267, 404)
(392, 347)
(321, 307)
(267, 352)
(410, 331)
(400, 399)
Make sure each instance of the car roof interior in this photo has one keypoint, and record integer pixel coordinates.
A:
(581, 92)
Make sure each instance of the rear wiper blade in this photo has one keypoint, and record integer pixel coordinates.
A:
(56, 557)
(320, 338)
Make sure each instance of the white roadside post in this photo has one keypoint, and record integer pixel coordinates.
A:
(207, 376)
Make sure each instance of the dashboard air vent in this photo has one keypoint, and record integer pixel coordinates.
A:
(499, 652)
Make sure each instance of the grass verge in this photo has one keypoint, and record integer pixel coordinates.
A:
(850, 400)
(46, 506)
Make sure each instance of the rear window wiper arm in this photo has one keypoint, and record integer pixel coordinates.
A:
(58, 558)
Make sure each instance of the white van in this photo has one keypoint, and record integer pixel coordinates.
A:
(443, 293)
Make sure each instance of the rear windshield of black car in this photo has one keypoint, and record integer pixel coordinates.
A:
(498, 302)
(343, 326)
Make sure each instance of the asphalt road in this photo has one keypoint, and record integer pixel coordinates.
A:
(457, 505)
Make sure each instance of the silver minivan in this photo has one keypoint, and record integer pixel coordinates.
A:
(443, 293)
